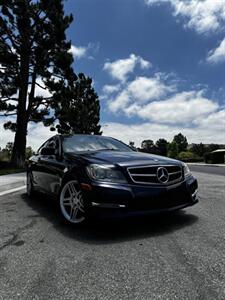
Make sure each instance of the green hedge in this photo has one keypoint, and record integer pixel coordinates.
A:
(214, 157)
(188, 156)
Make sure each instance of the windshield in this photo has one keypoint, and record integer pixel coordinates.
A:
(80, 143)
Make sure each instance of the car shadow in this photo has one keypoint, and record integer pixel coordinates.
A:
(114, 230)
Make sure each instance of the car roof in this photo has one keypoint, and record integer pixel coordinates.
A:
(82, 134)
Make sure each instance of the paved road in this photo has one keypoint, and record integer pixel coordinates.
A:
(208, 169)
(177, 256)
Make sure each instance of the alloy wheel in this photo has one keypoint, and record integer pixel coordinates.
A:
(71, 202)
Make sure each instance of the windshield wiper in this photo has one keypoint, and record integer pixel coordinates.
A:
(107, 149)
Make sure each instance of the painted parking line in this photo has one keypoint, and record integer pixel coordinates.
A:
(12, 190)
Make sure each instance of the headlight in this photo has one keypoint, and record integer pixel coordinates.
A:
(187, 171)
(105, 173)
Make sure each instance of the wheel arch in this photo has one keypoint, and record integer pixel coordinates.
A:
(70, 175)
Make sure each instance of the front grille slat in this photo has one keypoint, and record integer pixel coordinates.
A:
(148, 174)
(143, 175)
(178, 172)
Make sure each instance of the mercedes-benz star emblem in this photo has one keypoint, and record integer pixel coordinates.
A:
(162, 175)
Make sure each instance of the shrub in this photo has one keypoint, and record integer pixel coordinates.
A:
(214, 157)
(188, 156)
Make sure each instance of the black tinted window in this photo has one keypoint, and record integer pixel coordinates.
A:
(43, 146)
(51, 143)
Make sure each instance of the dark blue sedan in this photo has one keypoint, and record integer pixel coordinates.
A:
(91, 174)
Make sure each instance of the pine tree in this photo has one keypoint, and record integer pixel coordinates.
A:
(162, 145)
(172, 150)
(149, 147)
(181, 142)
(81, 114)
(34, 53)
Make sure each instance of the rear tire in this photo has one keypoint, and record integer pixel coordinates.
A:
(30, 186)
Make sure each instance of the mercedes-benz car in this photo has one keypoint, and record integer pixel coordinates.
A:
(93, 175)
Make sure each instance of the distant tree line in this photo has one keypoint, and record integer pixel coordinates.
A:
(6, 152)
(178, 148)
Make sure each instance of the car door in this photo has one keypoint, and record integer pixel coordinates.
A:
(36, 168)
(51, 167)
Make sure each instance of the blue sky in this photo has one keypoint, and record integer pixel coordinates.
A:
(158, 66)
(122, 27)
(182, 80)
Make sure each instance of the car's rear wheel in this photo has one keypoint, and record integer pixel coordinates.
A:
(30, 186)
(72, 203)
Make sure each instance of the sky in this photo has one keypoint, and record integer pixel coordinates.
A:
(158, 67)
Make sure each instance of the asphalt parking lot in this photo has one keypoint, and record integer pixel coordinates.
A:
(173, 256)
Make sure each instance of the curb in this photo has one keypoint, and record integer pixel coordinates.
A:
(13, 174)
(12, 182)
(12, 190)
(12, 185)
(207, 165)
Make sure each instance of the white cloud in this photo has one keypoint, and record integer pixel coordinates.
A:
(181, 108)
(184, 108)
(41, 90)
(85, 51)
(144, 89)
(121, 68)
(120, 103)
(139, 91)
(2, 69)
(201, 15)
(207, 130)
(37, 134)
(154, 131)
(5, 135)
(144, 64)
(163, 110)
(217, 55)
(215, 121)
(109, 89)
(78, 51)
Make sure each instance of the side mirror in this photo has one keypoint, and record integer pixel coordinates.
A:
(47, 151)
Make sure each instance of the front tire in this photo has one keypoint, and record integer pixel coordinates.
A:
(72, 203)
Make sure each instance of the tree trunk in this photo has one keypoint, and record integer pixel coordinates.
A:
(19, 147)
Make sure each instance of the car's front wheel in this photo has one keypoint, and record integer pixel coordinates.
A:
(72, 203)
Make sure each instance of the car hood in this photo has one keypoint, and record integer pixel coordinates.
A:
(124, 159)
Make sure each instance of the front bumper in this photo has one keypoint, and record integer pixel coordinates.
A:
(129, 199)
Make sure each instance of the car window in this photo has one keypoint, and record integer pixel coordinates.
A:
(51, 143)
(42, 146)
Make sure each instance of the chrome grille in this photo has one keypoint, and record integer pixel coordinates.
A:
(148, 174)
